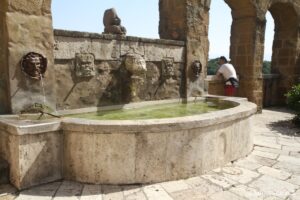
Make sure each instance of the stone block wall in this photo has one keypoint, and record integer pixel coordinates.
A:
(110, 82)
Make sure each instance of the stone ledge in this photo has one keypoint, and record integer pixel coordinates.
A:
(78, 34)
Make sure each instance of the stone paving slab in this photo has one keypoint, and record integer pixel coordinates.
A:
(270, 172)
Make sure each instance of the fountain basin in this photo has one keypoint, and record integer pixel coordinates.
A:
(126, 151)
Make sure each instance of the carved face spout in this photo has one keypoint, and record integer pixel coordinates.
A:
(168, 67)
(85, 65)
(34, 65)
(196, 68)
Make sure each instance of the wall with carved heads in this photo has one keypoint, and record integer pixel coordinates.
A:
(97, 70)
(26, 26)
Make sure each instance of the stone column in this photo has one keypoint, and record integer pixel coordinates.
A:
(246, 53)
(286, 51)
(26, 26)
(188, 21)
(5, 106)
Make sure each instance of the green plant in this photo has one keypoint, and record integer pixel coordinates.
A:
(293, 102)
(266, 67)
(212, 66)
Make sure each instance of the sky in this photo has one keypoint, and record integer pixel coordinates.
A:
(141, 19)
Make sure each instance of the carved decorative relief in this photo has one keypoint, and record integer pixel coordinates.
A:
(85, 65)
(34, 65)
(196, 68)
(167, 68)
(136, 65)
(112, 23)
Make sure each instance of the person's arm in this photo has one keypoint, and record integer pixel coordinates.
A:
(218, 75)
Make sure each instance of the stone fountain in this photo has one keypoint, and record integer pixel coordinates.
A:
(87, 72)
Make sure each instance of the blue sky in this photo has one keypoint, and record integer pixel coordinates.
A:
(141, 19)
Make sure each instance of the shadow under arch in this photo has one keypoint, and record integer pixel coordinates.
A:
(285, 60)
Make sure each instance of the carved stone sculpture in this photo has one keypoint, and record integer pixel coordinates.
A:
(85, 65)
(196, 68)
(167, 69)
(112, 23)
(136, 65)
(34, 65)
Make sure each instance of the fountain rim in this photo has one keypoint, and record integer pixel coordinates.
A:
(242, 109)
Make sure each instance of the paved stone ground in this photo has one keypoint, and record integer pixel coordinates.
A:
(270, 172)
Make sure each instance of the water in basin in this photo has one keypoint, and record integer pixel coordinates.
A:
(167, 110)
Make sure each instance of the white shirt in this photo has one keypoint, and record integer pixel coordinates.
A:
(228, 71)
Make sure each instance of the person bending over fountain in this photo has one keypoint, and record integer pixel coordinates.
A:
(229, 74)
(112, 23)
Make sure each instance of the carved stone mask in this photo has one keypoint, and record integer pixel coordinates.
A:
(167, 67)
(85, 66)
(196, 68)
(34, 65)
(135, 64)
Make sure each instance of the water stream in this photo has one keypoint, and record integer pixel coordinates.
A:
(43, 89)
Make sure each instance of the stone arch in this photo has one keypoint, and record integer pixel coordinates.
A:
(246, 48)
(285, 48)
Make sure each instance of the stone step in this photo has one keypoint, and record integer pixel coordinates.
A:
(4, 172)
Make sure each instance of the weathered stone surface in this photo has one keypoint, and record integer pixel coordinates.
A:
(271, 186)
(239, 174)
(279, 174)
(248, 164)
(91, 192)
(265, 154)
(156, 52)
(226, 195)
(111, 83)
(222, 181)
(203, 186)
(29, 33)
(154, 192)
(39, 159)
(133, 192)
(109, 155)
(40, 7)
(274, 151)
(6, 190)
(247, 192)
(44, 192)
(175, 186)
(112, 192)
(295, 179)
(68, 190)
(151, 159)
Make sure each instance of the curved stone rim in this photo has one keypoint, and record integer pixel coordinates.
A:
(242, 110)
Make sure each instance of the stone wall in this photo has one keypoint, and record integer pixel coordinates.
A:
(110, 83)
(26, 26)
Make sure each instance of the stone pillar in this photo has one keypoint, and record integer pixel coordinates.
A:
(188, 21)
(286, 49)
(5, 106)
(26, 26)
(197, 44)
(172, 19)
(246, 53)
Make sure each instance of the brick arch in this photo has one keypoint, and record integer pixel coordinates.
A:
(285, 46)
